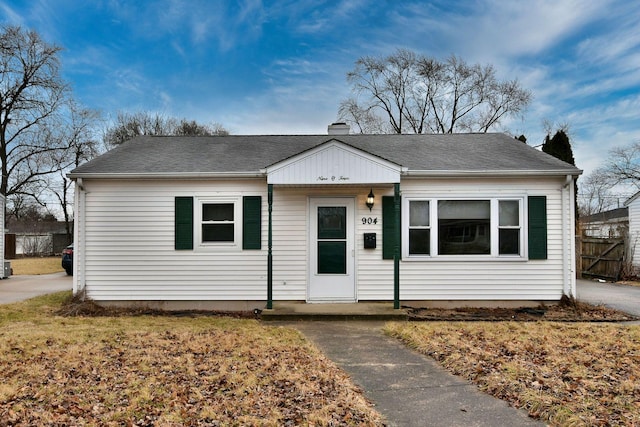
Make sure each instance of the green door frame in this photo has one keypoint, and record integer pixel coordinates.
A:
(269, 251)
(396, 248)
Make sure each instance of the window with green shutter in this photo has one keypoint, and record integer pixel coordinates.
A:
(251, 222)
(537, 227)
(217, 224)
(183, 223)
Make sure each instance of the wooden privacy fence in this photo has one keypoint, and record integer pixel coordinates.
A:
(601, 258)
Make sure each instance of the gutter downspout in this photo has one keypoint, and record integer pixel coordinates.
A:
(568, 242)
(79, 286)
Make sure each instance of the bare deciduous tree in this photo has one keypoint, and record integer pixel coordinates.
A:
(186, 127)
(410, 93)
(77, 133)
(595, 194)
(130, 125)
(31, 93)
(623, 165)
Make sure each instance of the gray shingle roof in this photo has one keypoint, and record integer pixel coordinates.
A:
(437, 153)
(606, 215)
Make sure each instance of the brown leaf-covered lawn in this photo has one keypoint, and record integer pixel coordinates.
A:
(165, 371)
(566, 374)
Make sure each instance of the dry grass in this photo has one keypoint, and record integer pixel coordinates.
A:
(566, 374)
(165, 371)
(44, 265)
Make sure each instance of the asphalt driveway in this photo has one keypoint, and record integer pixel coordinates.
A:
(20, 288)
(620, 297)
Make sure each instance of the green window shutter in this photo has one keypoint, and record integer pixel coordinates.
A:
(251, 222)
(388, 227)
(537, 227)
(184, 223)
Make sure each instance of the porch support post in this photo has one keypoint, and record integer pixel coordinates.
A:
(269, 253)
(396, 249)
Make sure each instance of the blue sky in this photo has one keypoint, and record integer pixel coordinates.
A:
(278, 67)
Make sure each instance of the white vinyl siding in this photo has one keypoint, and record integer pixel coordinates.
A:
(128, 244)
(125, 244)
(500, 278)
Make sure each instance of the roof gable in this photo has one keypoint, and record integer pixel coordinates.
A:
(333, 163)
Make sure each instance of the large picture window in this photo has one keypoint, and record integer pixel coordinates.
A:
(464, 227)
(467, 227)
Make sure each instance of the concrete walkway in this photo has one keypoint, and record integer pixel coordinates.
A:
(20, 288)
(406, 387)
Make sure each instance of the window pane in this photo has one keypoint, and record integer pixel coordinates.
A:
(217, 212)
(419, 241)
(332, 257)
(464, 237)
(464, 227)
(419, 213)
(509, 213)
(464, 209)
(332, 222)
(509, 241)
(217, 232)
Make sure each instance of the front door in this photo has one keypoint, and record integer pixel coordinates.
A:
(331, 251)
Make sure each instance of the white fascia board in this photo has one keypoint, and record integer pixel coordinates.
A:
(170, 175)
(486, 173)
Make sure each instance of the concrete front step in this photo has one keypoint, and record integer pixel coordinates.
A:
(333, 311)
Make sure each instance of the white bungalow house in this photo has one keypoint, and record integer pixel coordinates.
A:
(243, 222)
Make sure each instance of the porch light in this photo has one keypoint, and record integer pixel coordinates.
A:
(370, 198)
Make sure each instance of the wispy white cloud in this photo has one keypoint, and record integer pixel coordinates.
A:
(279, 66)
(490, 30)
(9, 16)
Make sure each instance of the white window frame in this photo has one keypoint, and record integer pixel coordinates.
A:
(494, 229)
(496, 205)
(237, 223)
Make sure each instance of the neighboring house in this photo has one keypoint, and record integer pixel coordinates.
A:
(37, 238)
(237, 222)
(609, 224)
(633, 204)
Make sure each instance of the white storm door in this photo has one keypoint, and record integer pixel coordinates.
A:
(331, 250)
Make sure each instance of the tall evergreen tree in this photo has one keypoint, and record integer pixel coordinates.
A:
(560, 147)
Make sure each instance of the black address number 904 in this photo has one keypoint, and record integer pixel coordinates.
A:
(369, 220)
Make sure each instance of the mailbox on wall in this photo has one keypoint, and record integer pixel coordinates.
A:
(369, 240)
